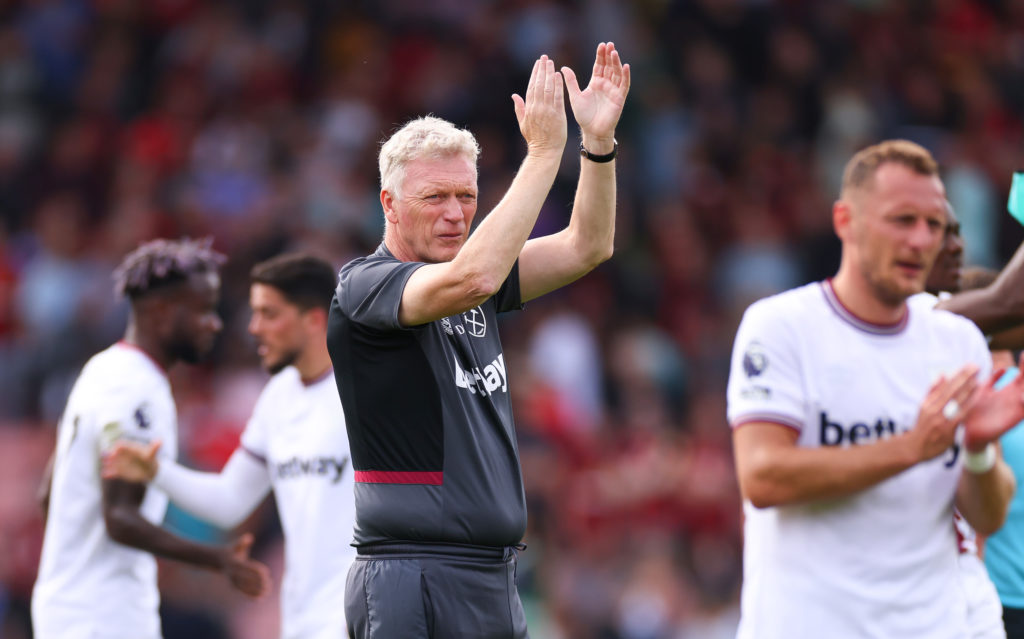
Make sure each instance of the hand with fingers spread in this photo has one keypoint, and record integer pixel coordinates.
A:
(598, 107)
(247, 575)
(542, 114)
(131, 462)
(942, 410)
(995, 411)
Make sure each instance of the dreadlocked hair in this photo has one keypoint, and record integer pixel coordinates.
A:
(161, 263)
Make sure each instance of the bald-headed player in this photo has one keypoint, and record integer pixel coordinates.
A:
(846, 403)
(97, 576)
(294, 444)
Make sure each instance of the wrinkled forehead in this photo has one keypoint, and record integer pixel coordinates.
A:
(450, 170)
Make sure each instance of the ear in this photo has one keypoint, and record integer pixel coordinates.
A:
(315, 320)
(842, 218)
(157, 311)
(387, 202)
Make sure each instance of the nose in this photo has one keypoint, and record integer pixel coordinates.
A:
(254, 325)
(452, 211)
(215, 324)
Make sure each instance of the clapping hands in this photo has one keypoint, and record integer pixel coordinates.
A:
(597, 108)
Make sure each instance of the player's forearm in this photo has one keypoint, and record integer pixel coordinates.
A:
(1010, 339)
(991, 309)
(224, 499)
(997, 307)
(788, 475)
(489, 253)
(1009, 288)
(592, 226)
(126, 526)
(984, 498)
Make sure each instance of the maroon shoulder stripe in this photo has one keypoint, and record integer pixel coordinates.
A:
(431, 478)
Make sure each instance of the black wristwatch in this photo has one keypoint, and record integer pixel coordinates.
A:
(600, 159)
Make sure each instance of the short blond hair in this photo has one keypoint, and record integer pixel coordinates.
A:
(861, 168)
(425, 137)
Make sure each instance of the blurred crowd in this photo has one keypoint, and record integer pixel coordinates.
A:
(258, 122)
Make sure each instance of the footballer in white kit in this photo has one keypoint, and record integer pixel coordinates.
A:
(97, 576)
(86, 578)
(881, 562)
(295, 443)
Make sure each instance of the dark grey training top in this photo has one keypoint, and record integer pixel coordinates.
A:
(427, 411)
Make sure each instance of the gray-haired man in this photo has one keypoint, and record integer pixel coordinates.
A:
(440, 504)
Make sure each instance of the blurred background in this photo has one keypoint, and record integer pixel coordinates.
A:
(258, 122)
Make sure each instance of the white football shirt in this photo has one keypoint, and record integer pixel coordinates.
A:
(89, 585)
(298, 431)
(881, 563)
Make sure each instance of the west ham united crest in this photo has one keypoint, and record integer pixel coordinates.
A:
(755, 360)
(475, 322)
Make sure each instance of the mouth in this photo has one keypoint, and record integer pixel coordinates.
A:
(913, 269)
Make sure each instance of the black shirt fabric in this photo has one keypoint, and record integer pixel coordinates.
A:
(428, 412)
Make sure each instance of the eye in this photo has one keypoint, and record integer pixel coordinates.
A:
(433, 197)
(467, 197)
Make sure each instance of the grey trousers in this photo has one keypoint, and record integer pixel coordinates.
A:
(434, 591)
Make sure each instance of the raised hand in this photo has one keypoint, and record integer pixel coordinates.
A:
(248, 576)
(994, 411)
(598, 107)
(942, 410)
(131, 462)
(542, 114)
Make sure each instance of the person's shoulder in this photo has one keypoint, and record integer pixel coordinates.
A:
(381, 256)
(124, 367)
(944, 318)
(948, 323)
(282, 384)
(923, 301)
(792, 304)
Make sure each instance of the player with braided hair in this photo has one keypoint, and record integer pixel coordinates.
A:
(97, 575)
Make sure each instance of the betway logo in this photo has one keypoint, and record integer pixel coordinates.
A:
(836, 434)
(485, 381)
(298, 467)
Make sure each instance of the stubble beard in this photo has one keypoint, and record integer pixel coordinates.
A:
(283, 362)
(185, 350)
(889, 293)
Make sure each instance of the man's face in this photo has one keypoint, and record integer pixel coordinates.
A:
(946, 273)
(277, 325)
(431, 221)
(195, 322)
(897, 226)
